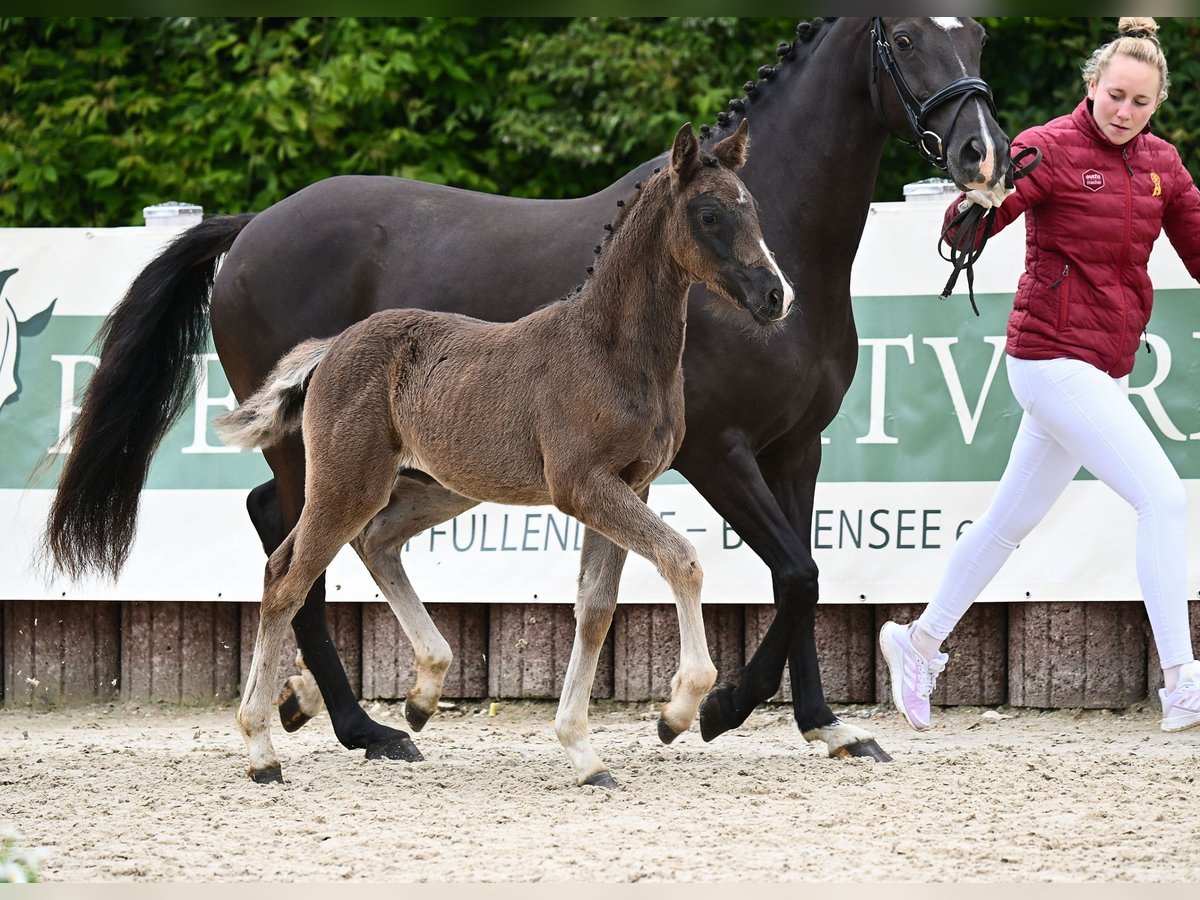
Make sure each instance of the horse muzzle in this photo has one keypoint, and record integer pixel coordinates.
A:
(765, 292)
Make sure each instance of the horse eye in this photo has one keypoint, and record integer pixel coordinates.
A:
(708, 217)
(903, 41)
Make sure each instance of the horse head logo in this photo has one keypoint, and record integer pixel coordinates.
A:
(18, 318)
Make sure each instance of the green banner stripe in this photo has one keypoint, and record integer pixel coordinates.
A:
(916, 411)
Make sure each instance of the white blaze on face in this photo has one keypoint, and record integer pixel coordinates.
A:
(788, 294)
(987, 166)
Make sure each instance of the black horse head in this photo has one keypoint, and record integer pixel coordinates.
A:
(927, 89)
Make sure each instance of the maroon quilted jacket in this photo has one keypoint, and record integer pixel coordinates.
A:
(1092, 212)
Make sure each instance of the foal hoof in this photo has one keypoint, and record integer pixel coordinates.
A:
(269, 775)
(869, 749)
(602, 780)
(290, 713)
(401, 748)
(666, 733)
(716, 713)
(416, 718)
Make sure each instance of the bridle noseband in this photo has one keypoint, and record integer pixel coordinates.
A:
(927, 142)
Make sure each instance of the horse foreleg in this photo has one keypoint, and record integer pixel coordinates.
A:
(793, 483)
(620, 515)
(599, 577)
(734, 486)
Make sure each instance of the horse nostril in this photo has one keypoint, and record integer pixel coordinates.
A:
(776, 299)
(972, 153)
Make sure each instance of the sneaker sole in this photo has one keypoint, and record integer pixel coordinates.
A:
(1172, 727)
(893, 663)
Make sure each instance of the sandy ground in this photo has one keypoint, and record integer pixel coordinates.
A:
(116, 793)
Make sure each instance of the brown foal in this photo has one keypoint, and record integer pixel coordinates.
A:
(579, 404)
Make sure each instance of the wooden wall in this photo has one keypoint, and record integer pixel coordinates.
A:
(55, 653)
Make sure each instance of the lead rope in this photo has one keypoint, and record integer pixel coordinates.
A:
(968, 243)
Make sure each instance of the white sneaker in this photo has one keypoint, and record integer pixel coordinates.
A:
(1181, 709)
(913, 677)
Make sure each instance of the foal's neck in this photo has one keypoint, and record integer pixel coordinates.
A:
(636, 300)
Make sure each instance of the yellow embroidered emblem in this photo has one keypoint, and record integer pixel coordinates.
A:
(1157, 184)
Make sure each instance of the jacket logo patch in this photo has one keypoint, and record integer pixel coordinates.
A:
(1157, 184)
(1093, 180)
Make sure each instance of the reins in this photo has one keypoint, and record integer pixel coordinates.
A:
(964, 249)
(969, 241)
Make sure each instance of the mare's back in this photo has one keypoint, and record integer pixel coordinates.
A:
(348, 246)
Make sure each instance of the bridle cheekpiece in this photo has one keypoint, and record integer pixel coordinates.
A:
(928, 143)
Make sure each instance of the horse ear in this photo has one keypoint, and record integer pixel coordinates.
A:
(731, 151)
(685, 154)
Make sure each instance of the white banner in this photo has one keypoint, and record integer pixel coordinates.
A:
(930, 405)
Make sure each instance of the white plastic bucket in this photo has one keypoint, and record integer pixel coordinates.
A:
(173, 214)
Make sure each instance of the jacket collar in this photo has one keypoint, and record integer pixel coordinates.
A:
(1085, 121)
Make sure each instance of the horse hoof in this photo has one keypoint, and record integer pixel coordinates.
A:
(602, 780)
(869, 749)
(715, 717)
(416, 718)
(401, 748)
(290, 713)
(269, 775)
(666, 733)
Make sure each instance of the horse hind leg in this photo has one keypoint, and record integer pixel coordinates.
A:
(413, 508)
(331, 518)
(283, 594)
(599, 577)
(300, 699)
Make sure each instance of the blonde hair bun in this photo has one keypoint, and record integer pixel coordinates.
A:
(1137, 37)
(1138, 27)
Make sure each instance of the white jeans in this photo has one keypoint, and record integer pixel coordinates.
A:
(1076, 415)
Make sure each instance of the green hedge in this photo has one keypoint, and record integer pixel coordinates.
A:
(100, 117)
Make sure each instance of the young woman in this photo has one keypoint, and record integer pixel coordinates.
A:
(1093, 208)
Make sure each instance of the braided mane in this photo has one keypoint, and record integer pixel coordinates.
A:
(795, 54)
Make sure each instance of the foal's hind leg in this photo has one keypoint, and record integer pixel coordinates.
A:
(413, 508)
(331, 517)
(274, 509)
(599, 577)
(609, 506)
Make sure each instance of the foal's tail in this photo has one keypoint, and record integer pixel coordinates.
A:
(143, 384)
(276, 409)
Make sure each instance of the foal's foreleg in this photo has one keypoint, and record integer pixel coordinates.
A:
(611, 508)
(599, 577)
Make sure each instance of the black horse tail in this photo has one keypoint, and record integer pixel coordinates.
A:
(277, 408)
(144, 382)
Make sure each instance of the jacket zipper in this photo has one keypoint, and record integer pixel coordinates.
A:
(1125, 250)
(1064, 295)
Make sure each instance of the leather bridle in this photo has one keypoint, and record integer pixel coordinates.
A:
(929, 143)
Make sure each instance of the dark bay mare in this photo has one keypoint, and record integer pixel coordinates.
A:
(579, 404)
(341, 249)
